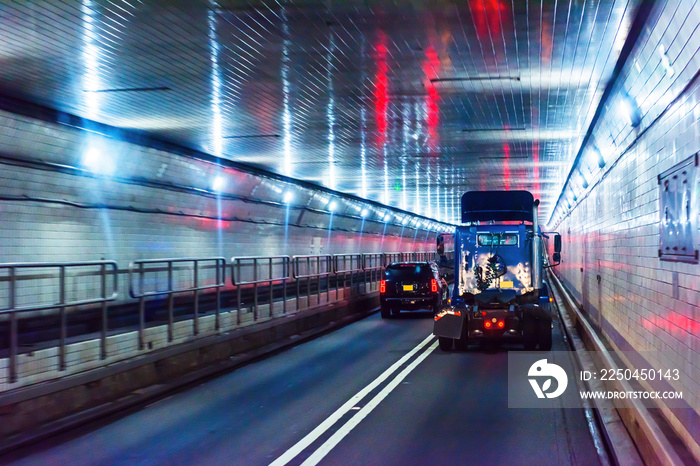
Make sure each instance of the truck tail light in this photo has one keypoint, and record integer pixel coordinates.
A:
(382, 286)
(501, 324)
(433, 285)
(487, 324)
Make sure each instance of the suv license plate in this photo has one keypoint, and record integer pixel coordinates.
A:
(408, 287)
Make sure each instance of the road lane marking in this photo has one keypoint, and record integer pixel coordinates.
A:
(324, 449)
(302, 444)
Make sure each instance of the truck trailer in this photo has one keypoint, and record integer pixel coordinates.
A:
(499, 258)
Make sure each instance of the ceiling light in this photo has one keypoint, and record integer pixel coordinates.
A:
(597, 157)
(218, 184)
(628, 108)
(582, 179)
(665, 62)
(364, 213)
(288, 197)
(97, 162)
(332, 206)
(129, 89)
(251, 136)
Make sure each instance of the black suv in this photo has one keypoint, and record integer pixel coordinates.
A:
(411, 286)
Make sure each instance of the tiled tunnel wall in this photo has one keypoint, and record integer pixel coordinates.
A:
(156, 204)
(612, 234)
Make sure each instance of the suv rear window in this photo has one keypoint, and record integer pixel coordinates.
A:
(409, 272)
(497, 239)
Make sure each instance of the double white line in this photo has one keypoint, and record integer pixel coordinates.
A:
(334, 439)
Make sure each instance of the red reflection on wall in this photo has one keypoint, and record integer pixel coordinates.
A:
(674, 323)
(431, 65)
(536, 168)
(546, 41)
(506, 166)
(487, 16)
(381, 87)
(210, 224)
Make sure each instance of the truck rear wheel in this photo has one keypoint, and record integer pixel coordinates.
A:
(445, 343)
(530, 333)
(544, 335)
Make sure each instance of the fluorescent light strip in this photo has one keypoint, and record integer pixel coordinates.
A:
(250, 136)
(129, 89)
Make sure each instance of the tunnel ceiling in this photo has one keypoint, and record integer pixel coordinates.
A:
(409, 103)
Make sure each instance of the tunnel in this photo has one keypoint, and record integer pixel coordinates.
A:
(209, 210)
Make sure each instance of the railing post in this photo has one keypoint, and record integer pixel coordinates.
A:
(328, 271)
(195, 323)
(285, 265)
(318, 280)
(239, 297)
(220, 282)
(295, 269)
(171, 302)
(103, 335)
(352, 286)
(272, 290)
(142, 308)
(255, 289)
(13, 327)
(336, 268)
(308, 283)
(62, 301)
(364, 273)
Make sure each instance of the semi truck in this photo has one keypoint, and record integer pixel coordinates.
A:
(499, 258)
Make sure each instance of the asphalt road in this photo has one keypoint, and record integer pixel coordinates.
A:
(433, 408)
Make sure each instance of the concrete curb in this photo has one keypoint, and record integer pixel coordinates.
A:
(29, 415)
(640, 427)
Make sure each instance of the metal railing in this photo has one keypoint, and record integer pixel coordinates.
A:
(346, 264)
(309, 267)
(255, 271)
(374, 265)
(141, 268)
(426, 256)
(63, 272)
(151, 278)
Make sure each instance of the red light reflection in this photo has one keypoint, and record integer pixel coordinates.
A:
(506, 165)
(430, 67)
(487, 16)
(674, 323)
(381, 99)
(536, 168)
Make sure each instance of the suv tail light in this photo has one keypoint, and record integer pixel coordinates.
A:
(433, 285)
(382, 286)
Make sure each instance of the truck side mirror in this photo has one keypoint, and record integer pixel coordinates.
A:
(557, 244)
(556, 257)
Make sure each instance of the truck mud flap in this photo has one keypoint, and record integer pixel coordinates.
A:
(449, 325)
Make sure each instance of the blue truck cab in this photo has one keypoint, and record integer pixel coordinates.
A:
(499, 257)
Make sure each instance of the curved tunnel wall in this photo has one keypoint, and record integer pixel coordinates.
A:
(643, 304)
(71, 195)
